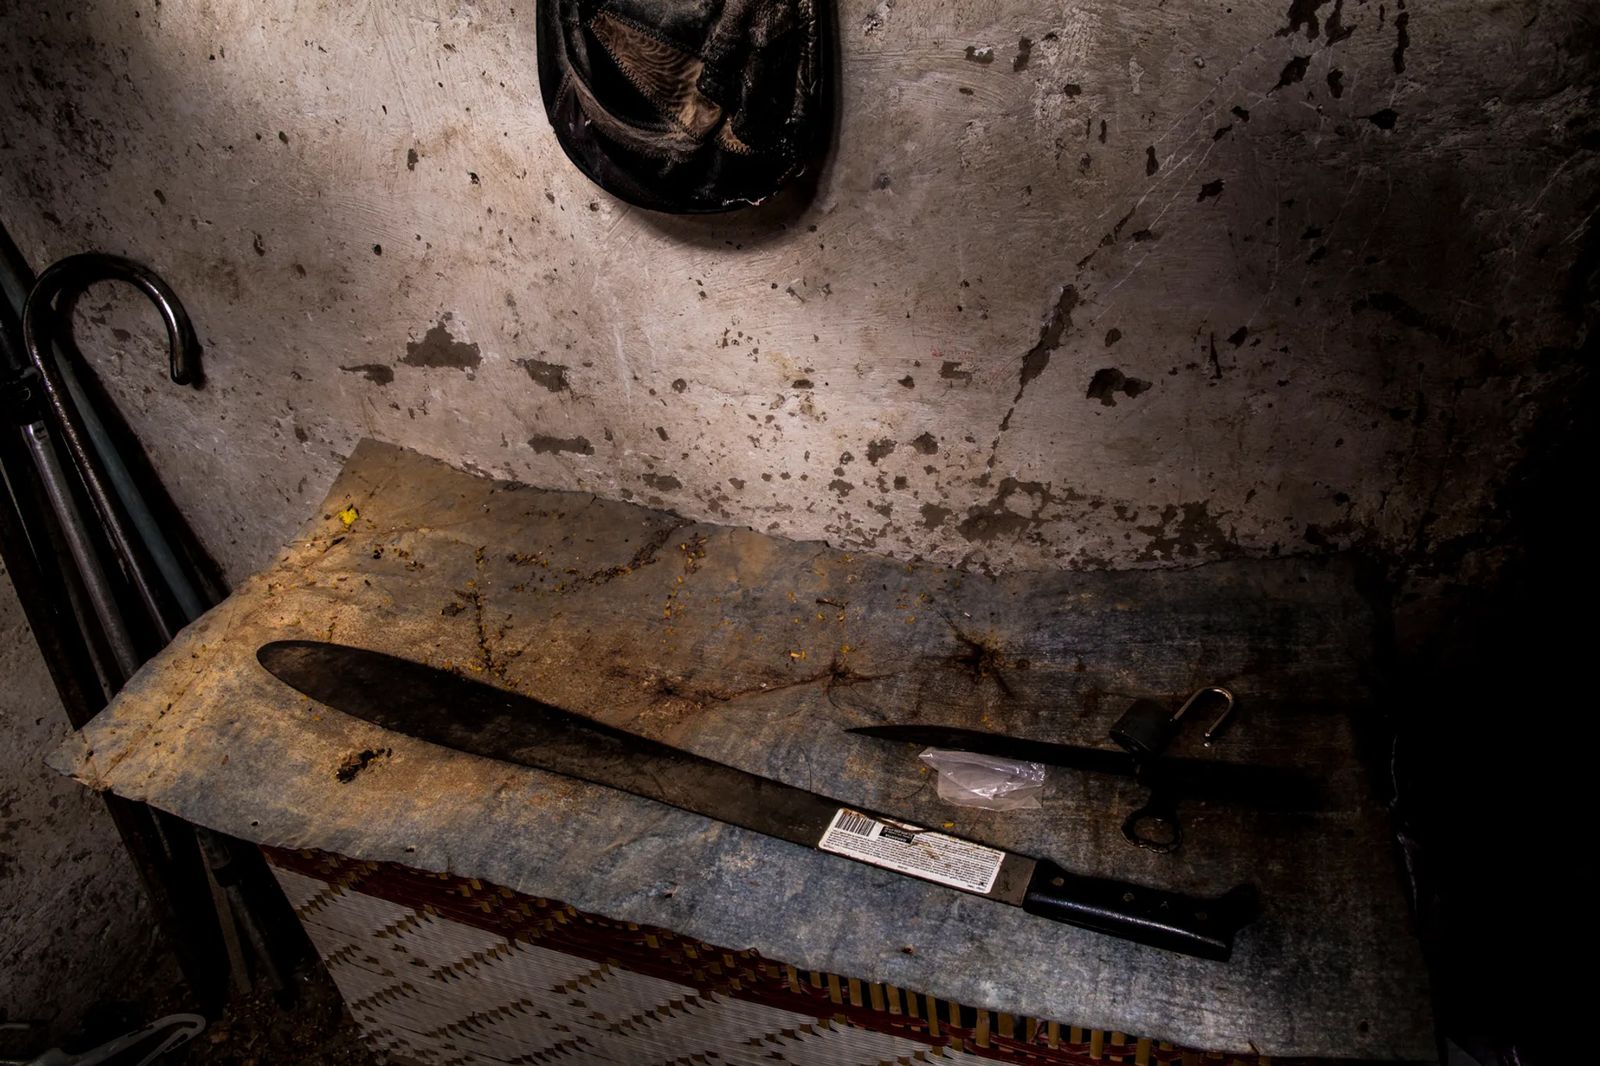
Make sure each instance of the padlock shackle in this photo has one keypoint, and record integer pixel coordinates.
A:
(1218, 727)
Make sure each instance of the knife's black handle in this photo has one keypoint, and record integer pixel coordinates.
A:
(1189, 924)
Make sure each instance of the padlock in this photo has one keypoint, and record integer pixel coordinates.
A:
(1145, 729)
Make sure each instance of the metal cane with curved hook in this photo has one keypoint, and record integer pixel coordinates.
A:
(39, 314)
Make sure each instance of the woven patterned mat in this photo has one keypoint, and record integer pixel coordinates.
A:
(448, 971)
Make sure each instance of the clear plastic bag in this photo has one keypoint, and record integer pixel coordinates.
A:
(968, 779)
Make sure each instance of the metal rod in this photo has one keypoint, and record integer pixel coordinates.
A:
(68, 660)
(96, 582)
(49, 564)
(191, 602)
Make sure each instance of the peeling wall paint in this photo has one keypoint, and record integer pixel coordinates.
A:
(1330, 240)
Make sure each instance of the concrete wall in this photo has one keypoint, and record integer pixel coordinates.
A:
(1098, 284)
(1170, 282)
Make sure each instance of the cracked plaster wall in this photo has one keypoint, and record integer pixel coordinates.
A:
(1083, 284)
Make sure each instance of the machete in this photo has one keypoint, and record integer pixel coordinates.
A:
(437, 706)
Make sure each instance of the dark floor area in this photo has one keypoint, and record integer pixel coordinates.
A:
(308, 1027)
(313, 1029)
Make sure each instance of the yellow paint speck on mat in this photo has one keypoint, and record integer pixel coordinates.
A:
(349, 515)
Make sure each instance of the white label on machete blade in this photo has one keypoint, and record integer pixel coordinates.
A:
(921, 853)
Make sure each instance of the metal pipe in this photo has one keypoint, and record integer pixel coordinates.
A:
(191, 602)
(96, 582)
(70, 661)
(33, 546)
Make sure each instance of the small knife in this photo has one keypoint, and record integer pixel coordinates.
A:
(436, 706)
(1266, 787)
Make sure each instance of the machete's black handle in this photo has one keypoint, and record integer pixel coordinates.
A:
(1188, 924)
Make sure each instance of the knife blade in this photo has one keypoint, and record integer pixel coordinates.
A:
(1265, 787)
(434, 705)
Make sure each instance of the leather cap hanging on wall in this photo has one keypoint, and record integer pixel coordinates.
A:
(684, 106)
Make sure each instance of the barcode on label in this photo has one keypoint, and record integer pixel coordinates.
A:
(852, 822)
(945, 860)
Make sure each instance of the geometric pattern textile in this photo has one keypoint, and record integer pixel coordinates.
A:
(446, 971)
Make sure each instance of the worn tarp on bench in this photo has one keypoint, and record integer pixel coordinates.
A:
(759, 652)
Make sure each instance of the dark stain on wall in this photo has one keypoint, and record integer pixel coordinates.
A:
(376, 373)
(1337, 30)
(1402, 38)
(1024, 52)
(1302, 13)
(995, 520)
(545, 444)
(1106, 383)
(663, 482)
(1037, 358)
(1293, 71)
(879, 448)
(1186, 531)
(438, 349)
(1110, 237)
(552, 376)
